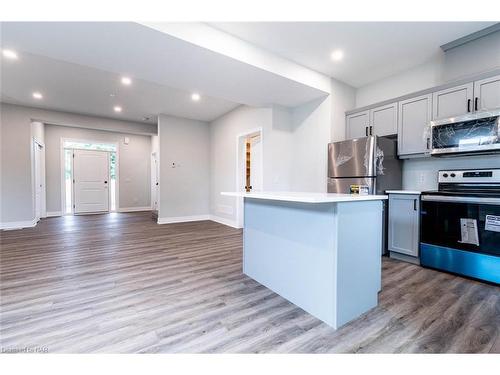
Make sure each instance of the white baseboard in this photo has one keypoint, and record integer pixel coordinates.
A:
(134, 209)
(182, 219)
(12, 225)
(222, 220)
(54, 213)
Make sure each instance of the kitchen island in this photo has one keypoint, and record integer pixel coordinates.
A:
(320, 251)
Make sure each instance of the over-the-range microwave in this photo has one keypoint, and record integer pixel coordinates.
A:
(477, 133)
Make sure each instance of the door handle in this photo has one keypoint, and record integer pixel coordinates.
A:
(414, 205)
(366, 131)
(428, 143)
(371, 130)
(468, 105)
(476, 102)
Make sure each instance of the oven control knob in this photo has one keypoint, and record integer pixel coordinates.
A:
(452, 175)
(445, 175)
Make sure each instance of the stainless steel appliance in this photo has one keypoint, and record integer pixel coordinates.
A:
(476, 133)
(370, 161)
(460, 224)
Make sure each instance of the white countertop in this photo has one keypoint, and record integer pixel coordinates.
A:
(305, 197)
(412, 192)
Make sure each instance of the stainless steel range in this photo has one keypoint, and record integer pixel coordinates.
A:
(460, 224)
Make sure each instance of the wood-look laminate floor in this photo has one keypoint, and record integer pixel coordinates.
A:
(121, 283)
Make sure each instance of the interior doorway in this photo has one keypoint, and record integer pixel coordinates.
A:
(155, 182)
(39, 196)
(90, 177)
(249, 167)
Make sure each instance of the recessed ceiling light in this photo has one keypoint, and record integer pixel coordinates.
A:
(195, 96)
(126, 81)
(9, 54)
(337, 55)
(37, 95)
(117, 108)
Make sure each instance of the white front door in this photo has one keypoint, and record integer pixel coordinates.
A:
(91, 181)
(38, 181)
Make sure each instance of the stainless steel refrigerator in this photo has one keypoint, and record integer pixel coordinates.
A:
(370, 161)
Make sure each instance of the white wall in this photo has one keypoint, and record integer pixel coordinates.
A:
(134, 165)
(184, 168)
(224, 133)
(312, 129)
(295, 144)
(16, 172)
(343, 98)
(477, 56)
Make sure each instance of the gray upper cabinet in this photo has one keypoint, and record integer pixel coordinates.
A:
(384, 119)
(357, 125)
(414, 116)
(404, 224)
(487, 94)
(410, 117)
(454, 101)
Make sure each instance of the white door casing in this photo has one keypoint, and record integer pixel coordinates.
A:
(256, 163)
(241, 165)
(38, 181)
(154, 181)
(91, 181)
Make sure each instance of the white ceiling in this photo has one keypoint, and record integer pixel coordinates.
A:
(372, 50)
(78, 64)
(80, 89)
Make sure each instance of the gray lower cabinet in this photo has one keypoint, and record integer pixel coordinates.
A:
(454, 101)
(404, 225)
(487, 94)
(414, 116)
(357, 124)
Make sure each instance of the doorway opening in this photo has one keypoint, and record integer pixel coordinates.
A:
(39, 179)
(155, 182)
(249, 167)
(96, 163)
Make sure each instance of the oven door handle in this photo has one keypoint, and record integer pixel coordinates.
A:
(453, 199)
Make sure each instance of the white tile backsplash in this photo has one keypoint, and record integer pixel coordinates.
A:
(421, 174)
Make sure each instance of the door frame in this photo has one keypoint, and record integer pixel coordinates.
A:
(240, 159)
(155, 164)
(63, 182)
(43, 194)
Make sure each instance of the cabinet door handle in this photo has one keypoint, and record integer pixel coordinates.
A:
(476, 100)
(428, 143)
(366, 131)
(468, 105)
(371, 130)
(414, 205)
